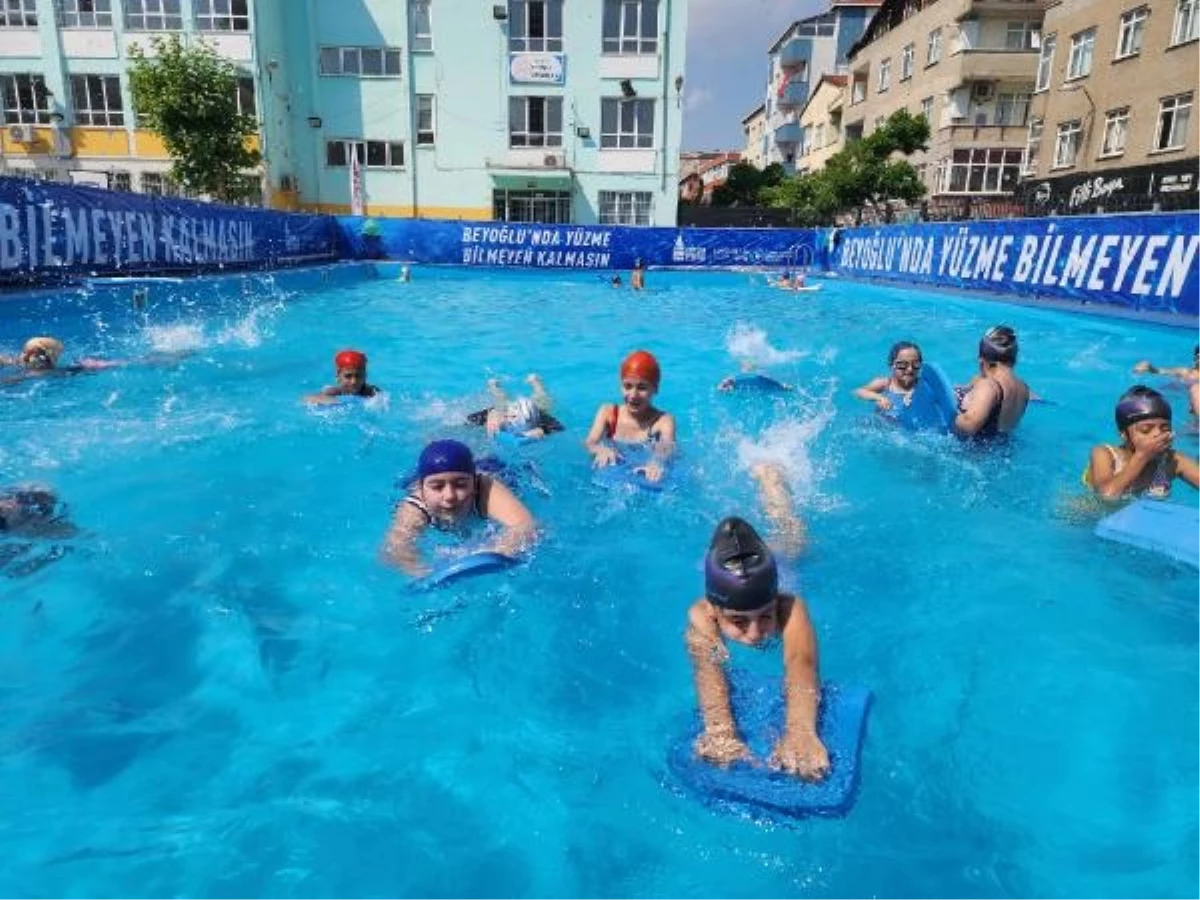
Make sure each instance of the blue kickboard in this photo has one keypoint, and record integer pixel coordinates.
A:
(1168, 528)
(624, 474)
(757, 790)
(763, 383)
(933, 406)
(481, 563)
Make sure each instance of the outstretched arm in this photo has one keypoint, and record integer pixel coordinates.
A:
(800, 749)
(503, 507)
(1147, 367)
(603, 453)
(719, 742)
(400, 544)
(872, 391)
(1185, 468)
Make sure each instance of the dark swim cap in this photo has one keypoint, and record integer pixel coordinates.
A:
(902, 345)
(739, 571)
(999, 345)
(1140, 403)
(445, 456)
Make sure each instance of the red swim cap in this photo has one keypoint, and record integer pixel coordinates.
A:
(640, 364)
(350, 359)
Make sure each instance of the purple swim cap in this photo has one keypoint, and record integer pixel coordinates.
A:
(739, 571)
(445, 456)
(1140, 403)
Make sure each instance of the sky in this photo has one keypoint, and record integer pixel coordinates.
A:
(726, 75)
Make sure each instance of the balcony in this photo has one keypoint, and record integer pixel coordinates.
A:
(963, 134)
(994, 65)
(795, 94)
(794, 52)
(1000, 8)
(788, 133)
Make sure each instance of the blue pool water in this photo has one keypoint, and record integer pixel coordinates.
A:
(219, 690)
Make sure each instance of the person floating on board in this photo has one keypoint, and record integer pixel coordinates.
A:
(995, 400)
(1189, 377)
(1145, 463)
(742, 603)
(350, 372)
(635, 421)
(904, 360)
(448, 493)
(526, 417)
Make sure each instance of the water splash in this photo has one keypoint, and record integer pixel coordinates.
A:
(750, 343)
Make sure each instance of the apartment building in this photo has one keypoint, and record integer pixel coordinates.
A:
(969, 67)
(821, 123)
(754, 130)
(506, 110)
(1112, 123)
(807, 49)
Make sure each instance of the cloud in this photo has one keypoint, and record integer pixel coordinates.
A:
(695, 99)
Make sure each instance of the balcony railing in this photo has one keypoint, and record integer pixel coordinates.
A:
(795, 94)
(794, 52)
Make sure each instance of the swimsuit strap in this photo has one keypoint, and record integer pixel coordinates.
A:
(415, 501)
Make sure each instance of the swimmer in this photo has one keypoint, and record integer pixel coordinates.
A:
(40, 358)
(33, 511)
(1190, 377)
(350, 370)
(448, 493)
(635, 421)
(904, 359)
(405, 274)
(996, 399)
(527, 417)
(616, 281)
(1145, 464)
(730, 382)
(742, 603)
(637, 278)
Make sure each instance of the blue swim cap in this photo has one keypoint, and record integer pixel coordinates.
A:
(740, 574)
(445, 456)
(1140, 403)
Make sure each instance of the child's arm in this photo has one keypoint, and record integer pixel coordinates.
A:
(1147, 367)
(800, 749)
(976, 408)
(603, 453)
(503, 507)
(1185, 468)
(662, 450)
(540, 395)
(400, 544)
(872, 391)
(1112, 485)
(719, 742)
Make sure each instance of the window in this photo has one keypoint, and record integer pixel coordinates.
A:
(153, 15)
(1045, 63)
(426, 132)
(1012, 109)
(535, 122)
(1187, 24)
(97, 100)
(858, 90)
(626, 207)
(1133, 27)
(933, 47)
(18, 14)
(1033, 143)
(1079, 63)
(360, 62)
(120, 181)
(980, 171)
(422, 26)
(630, 26)
(906, 61)
(85, 14)
(1174, 113)
(625, 123)
(371, 154)
(246, 104)
(222, 15)
(159, 184)
(535, 25)
(1116, 127)
(1066, 145)
(885, 75)
(26, 100)
(927, 109)
(548, 207)
(1021, 36)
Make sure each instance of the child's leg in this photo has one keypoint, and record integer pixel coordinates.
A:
(540, 395)
(776, 498)
(499, 398)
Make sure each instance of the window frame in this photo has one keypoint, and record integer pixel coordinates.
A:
(24, 17)
(88, 114)
(1033, 146)
(421, 41)
(985, 171)
(520, 23)
(927, 109)
(1185, 13)
(933, 47)
(884, 78)
(391, 58)
(202, 10)
(20, 86)
(908, 54)
(1188, 98)
(1030, 34)
(551, 106)
(73, 17)
(1082, 55)
(1045, 66)
(431, 131)
(631, 208)
(159, 12)
(616, 139)
(1131, 25)
(503, 200)
(641, 40)
(1068, 134)
(1119, 117)
(1018, 101)
(362, 148)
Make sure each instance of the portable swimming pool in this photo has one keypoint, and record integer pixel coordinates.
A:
(218, 690)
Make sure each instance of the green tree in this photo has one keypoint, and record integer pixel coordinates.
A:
(188, 96)
(744, 184)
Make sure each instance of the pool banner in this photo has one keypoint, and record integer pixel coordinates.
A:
(50, 230)
(1145, 263)
(524, 245)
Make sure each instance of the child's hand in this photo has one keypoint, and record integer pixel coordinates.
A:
(605, 456)
(652, 470)
(722, 749)
(801, 753)
(1152, 445)
(535, 434)
(883, 404)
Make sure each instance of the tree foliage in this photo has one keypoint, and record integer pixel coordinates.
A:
(864, 173)
(188, 96)
(744, 183)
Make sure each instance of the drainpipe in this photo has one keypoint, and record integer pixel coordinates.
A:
(313, 72)
(666, 77)
(415, 206)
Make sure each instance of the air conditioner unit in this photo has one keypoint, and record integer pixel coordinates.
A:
(22, 134)
(552, 160)
(982, 91)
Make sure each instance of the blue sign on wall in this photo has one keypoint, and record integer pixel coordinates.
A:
(48, 230)
(1145, 262)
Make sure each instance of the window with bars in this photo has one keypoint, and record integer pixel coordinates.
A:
(120, 181)
(535, 122)
(630, 26)
(222, 15)
(535, 25)
(153, 15)
(360, 62)
(1116, 128)
(1187, 23)
(1066, 143)
(626, 207)
(85, 13)
(18, 14)
(1174, 114)
(626, 124)
(1133, 28)
(97, 100)
(1079, 63)
(371, 154)
(422, 26)
(426, 129)
(546, 207)
(26, 100)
